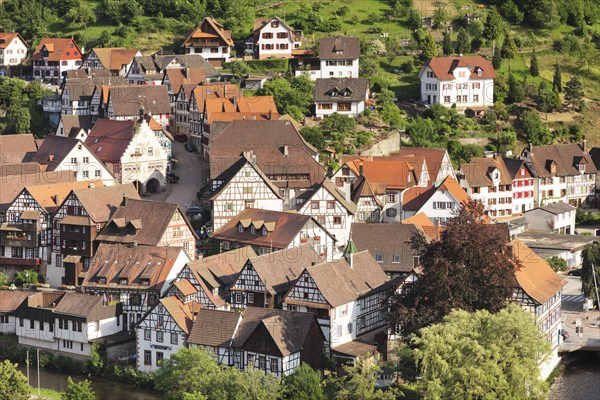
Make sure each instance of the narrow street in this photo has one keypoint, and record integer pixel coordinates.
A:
(192, 171)
(572, 309)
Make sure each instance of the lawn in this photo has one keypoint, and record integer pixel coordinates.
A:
(47, 394)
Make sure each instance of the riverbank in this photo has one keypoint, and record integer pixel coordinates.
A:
(580, 379)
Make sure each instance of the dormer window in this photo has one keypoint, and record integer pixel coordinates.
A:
(240, 228)
(145, 282)
(274, 24)
(122, 281)
(102, 280)
(265, 232)
(553, 168)
(581, 167)
(253, 230)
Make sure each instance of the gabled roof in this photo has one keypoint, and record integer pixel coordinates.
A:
(10, 301)
(16, 148)
(340, 283)
(109, 139)
(53, 151)
(112, 261)
(12, 185)
(433, 157)
(384, 174)
(260, 23)
(83, 88)
(535, 277)
(77, 304)
(214, 328)
(180, 313)
(141, 221)
(416, 197)
(339, 48)
(387, 240)
(128, 100)
(100, 202)
(72, 124)
(423, 222)
(443, 67)
(209, 28)
(555, 208)
(362, 188)
(332, 89)
(335, 192)
(288, 329)
(180, 76)
(6, 39)
(58, 49)
(477, 172)
(282, 228)
(222, 269)
(280, 269)
(565, 156)
(46, 195)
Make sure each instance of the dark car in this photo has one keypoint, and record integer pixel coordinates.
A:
(190, 147)
(193, 210)
(172, 178)
(575, 272)
(181, 138)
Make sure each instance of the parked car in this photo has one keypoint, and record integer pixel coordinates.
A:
(190, 147)
(192, 210)
(575, 272)
(172, 178)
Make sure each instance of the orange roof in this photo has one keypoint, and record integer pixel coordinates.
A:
(443, 67)
(180, 76)
(120, 57)
(179, 312)
(209, 28)
(6, 39)
(450, 184)
(421, 221)
(185, 287)
(262, 104)
(233, 116)
(392, 174)
(59, 49)
(535, 276)
(416, 197)
(45, 194)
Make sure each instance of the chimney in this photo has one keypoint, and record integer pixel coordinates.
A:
(235, 103)
(125, 200)
(285, 151)
(531, 148)
(360, 169)
(584, 144)
(270, 115)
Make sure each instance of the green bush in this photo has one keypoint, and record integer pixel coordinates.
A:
(557, 263)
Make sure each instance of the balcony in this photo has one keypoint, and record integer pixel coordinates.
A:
(23, 262)
(19, 235)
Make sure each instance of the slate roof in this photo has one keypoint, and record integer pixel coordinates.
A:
(387, 240)
(566, 157)
(358, 89)
(141, 221)
(16, 148)
(557, 208)
(100, 202)
(112, 261)
(443, 67)
(127, 100)
(280, 269)
(330, 48)
(10, 301)
(340, 284)
(285, 226)
(535, 277)
(214, 328)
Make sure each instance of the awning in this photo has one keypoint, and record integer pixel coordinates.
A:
(30, 214)
(76, 220)
(72, 259)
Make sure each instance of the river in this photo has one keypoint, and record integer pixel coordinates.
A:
(580, 380)
(105, 389)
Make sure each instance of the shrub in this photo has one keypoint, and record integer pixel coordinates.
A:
(557, 263)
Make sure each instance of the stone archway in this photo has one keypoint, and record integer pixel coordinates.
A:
(153, 186)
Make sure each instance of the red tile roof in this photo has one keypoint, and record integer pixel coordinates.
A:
(443, 67)
(6, 39)
(58, 49)
(384, 174)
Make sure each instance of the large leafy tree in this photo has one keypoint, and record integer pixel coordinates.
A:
(591, 262)
(533, 128)
(471, 268)
(303, 384)
(547, 99)
(482, 355)
(13, 384)
(292, 96)
(359, 382)
(447, 46)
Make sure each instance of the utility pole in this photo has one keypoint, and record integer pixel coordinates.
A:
(38, 374)
(28, 367)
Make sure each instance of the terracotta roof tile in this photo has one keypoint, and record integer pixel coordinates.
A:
(45, 195)
(59, 49)
(127, 100)
(10, 301)
(109, 139)
(423, 222)
(433, 157)
(16, 148)
(101, 202)
(443, 67)
(390, 174)
(6, 39)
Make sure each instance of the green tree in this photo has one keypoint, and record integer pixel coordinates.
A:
(3, 279)
(359, 382)
(497, 60)
(391, 115)
(507, 141)
(574, 92)
(493, 26)
(557, 79)
(27, 277)
(482, 355)
(515, 90)
(13, 384)
(95, 363)
(471, 268)
(463, 42)
(557, 264)
(534, 69)
(237, 12)
(447, 46)
(19, 119)
(509, 49)
(314, 136)
(591, 263)
(533, 129)
(428, 46)
(239, 69)
(547, 99)
(414, 19)
(81, 14)
(440, 15)
(78, 391)
(338, 123)
(295, 91)
(303, 384)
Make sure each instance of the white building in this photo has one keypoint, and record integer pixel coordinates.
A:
(13, 50)
(467, 82)
(331, 209)
(345, 96)
(53, 57)
(438, 162)
(67, 323)
(249, 187)
(211, 40)
(273, 38)
(552, 218)
(338, 58)
(9, 302)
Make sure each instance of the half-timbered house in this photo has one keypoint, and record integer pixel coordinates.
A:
(208, 281)
(267, 231)
(150, 223)
(117, 60)
(9, 302)
(211, 40)
(75, 225)
(67, 323)
(368, 204)
(331, 209)
(344, 296)
(265, 279)
(538, 290)
(26, 234)
(248, 187)
(137, 276)
(162, 331)
(273, 341)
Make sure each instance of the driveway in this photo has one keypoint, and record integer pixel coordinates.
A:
(192, 171)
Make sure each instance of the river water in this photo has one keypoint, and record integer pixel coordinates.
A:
(579, 381)
(105, 389)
